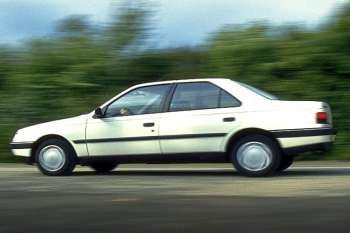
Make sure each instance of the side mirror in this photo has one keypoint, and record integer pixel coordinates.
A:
(98, 113)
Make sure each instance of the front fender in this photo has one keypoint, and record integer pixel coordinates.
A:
(70, 129)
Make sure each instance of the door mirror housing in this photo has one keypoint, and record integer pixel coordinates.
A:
(98, 113)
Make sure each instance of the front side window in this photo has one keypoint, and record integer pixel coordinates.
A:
(201, 95)
(143, 100)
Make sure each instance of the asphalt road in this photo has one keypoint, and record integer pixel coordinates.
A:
(309, 197)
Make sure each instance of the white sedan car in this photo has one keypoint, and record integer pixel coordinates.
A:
(201, 120)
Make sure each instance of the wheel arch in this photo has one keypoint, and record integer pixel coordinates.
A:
(245, 132)
(46, 137)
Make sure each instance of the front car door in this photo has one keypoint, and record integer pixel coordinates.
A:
(200, 116)
(130, 124)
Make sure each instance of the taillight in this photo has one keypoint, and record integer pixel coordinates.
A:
(322, 117)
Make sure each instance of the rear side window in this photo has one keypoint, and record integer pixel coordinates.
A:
(201, 95)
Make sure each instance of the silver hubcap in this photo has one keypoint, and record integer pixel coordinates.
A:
(254, 156)
(52, 158)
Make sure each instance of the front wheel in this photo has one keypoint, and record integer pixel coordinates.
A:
(55, 157)
(256, 155)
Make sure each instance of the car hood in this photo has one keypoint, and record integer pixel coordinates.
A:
(78, 120)
(69, 127)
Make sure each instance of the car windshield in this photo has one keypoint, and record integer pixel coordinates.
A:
(259, 92)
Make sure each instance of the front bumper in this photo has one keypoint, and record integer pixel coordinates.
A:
(21, 145)
(22, 149)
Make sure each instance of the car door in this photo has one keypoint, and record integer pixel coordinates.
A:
(130, 124)
(199, 117)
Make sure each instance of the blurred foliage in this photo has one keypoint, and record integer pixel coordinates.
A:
(82, 65)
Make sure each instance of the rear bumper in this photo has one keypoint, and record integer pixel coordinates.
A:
(323, 147)
(305, 140)
(295, 133)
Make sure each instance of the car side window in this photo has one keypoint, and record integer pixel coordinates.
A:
(201, 95)
(227, 100)
(143, 100)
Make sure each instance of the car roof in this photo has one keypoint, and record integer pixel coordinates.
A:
(213, 80)
(233, 87)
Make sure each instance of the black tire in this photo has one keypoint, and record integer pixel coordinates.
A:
(103, 166)
(267, 142)
(69, 155)
(286, 162)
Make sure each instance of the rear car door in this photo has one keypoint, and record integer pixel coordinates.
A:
(199, 117)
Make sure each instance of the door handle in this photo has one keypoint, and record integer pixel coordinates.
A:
(149, 124)
(229, 119)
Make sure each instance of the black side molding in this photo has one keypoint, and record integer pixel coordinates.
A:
(145, 138)
(291, 133)
(21, 145)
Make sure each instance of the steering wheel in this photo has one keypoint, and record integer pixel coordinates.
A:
(125, 112)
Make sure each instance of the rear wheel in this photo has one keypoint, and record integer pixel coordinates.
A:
(55, 157)
(103, 166)
(286, 162)
(256, 155)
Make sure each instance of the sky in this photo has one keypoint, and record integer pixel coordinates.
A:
(176, 22)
